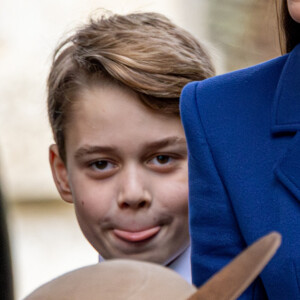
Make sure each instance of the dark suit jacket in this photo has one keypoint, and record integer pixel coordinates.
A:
(243, 134)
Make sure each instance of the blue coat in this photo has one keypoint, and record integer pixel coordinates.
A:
(243, 134)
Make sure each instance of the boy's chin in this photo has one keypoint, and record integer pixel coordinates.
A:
(159, 255)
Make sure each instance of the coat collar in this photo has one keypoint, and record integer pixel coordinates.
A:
(286, 105)
(286, 118)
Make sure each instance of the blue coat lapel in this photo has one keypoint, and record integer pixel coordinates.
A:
(286, 118)
(286, 106)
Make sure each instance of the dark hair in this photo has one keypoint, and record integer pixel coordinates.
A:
(6, 279)
(144, 52)
(289, 29)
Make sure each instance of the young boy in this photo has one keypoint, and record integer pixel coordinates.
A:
(120, 154)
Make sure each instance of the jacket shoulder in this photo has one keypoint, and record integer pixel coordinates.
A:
(233, 85)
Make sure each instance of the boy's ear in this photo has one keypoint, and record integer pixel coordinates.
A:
(60, 174)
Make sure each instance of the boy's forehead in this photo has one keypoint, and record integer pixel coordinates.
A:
(117, 98)
(115, 108)
(113, 119)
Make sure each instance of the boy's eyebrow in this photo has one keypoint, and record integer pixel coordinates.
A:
(86, 150)
(165, 142)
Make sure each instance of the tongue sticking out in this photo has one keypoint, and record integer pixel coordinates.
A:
(136, 236)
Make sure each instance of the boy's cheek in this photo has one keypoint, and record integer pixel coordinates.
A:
(175, 196)
(90, 203)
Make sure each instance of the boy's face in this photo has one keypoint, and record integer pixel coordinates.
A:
(126, 173)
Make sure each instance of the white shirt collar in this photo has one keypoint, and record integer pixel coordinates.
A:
(182, 265)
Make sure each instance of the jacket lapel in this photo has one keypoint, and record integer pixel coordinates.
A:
(286, 106)
(286, 119)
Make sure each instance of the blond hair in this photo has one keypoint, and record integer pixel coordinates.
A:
(144, 52)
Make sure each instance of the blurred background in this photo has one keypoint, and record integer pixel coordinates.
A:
(45, 238)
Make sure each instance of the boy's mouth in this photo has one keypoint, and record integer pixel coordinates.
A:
(136, 236)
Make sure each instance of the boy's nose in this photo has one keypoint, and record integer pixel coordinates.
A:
(133, 192)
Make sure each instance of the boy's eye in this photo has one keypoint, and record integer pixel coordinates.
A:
(102, 165)
(161, 160)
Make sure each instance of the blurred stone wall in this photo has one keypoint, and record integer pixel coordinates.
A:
(243, 31)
